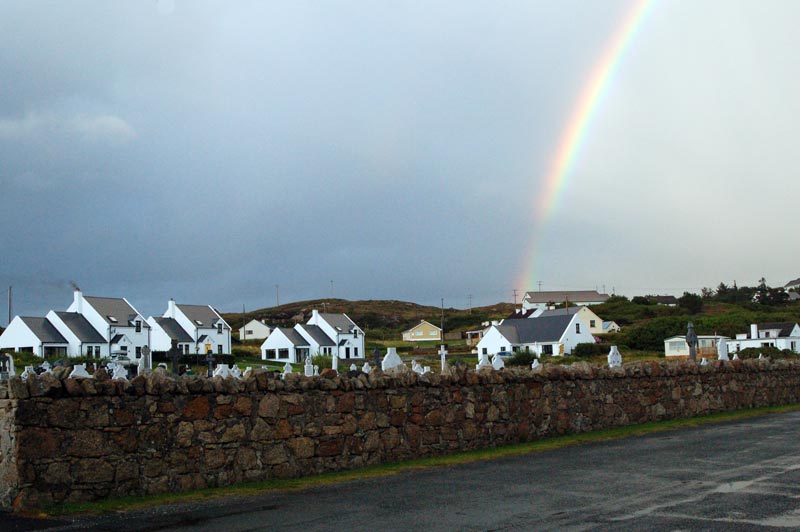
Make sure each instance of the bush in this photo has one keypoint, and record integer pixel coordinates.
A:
(521, 358)
(323, 361)
(771, 352)
(590, 350)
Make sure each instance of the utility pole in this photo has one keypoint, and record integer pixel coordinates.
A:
(540, 286)
(331, 288)
(515, 298)
(442, 323)
(244, 326)
(470, 303)
(9, 305)
(277, 296)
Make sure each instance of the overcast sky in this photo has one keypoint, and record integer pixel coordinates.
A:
(208, 151)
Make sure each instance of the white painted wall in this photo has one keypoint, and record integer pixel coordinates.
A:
(254, 330)
(277, 340)
(17, 335)
(352, 342)
(493, 342)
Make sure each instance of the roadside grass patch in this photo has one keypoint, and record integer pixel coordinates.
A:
(123, 504)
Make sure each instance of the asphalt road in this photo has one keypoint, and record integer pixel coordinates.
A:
(742, 475)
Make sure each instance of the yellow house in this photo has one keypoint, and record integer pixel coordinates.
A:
(423, 332)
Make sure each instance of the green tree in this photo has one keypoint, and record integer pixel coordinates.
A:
(692, 303)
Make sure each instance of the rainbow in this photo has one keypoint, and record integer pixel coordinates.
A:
(575, 132)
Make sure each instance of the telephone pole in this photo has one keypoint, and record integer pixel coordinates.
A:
(442, 323)
(470, 303)
(540, 286)
(331, 288)
(277, 296)
(9, 305)
(515, 298)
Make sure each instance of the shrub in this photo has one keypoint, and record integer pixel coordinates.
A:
(771, 352)
(323, 361)
(521, 358)
(590, 350)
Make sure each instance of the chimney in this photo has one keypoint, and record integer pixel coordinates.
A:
(171, 309)
(314, 317)
(78, 301)
(753, 330)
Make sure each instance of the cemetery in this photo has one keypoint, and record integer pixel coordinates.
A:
(68, 436)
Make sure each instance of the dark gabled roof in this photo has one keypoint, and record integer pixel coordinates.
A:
(293, 336)
(785, 327)
(317, 334)
(542, 329)
(115, 307)
(81, 327)
(339, 321)
(589, 296)
(43, 330)
(173, 329)
(202, 313)
(569, 311)
(117, 338)
(793, 282)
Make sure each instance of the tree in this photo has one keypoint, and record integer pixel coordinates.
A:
(707, 293)
(641, 300)
(692, 303)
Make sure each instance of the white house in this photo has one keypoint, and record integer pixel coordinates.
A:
(782, 335)
(676, 346)
(792, 285)
(592, 320)
(164, 331)
(123, 329)
(254, 330)
(34, 335)
(83, 339)
(285, 344)
(209, 333)
(550, 335)
(545, 300)
(610, 327)
(422, 332)
(324, 334)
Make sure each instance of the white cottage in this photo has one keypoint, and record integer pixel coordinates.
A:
(209, 333)
(83, 339)
(285, 344)
(323, 334)
(545, 300)
(254, 330)
(34, 335)
(164, 331)
(551, 335)
(782, 335)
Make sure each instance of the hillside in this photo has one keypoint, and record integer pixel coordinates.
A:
(380, 319)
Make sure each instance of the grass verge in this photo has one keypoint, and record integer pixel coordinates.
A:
(246, 489)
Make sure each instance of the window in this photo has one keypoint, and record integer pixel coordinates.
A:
(124, 348)
(138, 324)
(283, 353)
(766, 334)
(198, 322)
(515, 349)
(97, 351)
(676, 346)
(418, 333)
(577, 328)
(185, 349)
(248, 331)
(219, 328)
(138, 352)
(502, 348)
(432, 333)
(592, 324)
(484, 351)
(346, 352)
(219, 349)
(112, 319)
(355, 352)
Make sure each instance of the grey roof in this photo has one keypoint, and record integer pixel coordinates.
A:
(665, 300)
(293, 336)
(521, 313)
(340, 321)
(785, 327)
(115, 307)
(794, 282)
(173, 329)
(317, 334)
(81, 327)
(569, 311)
(202, 313)
(542, 329)
(117, 338)
(44, 330)
(589, 296)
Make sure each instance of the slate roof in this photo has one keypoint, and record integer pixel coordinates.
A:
(665, 300)
(81, 328)
(115, 307)
(117, 338)
(173, 329)
(44, 330)
(520, 314)
(785, 327)
(589, 296)
(317, 334)
(528, 331)
(569, 311)
(794, 282)
(293, 336)
(202, 313)
(340, 321)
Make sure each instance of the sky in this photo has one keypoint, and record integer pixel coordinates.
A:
(211, 151)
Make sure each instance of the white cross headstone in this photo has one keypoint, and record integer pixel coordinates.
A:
(703, 361)
(736, 356)
(79, 371)
(247, 372)
(426, 369)
(443, 358)
(497, 362)
(366, 368)
(614, 357)
(29, 371)
(118, 372)
(316, 371)
(722, 350)
(308, 368)
(235, 372)
(416, 368)
(353, 367)
(535, 364)
(760, 356)
(335, 362)
(46, 367)
(391, 360)
(483, 362)
(287, 369)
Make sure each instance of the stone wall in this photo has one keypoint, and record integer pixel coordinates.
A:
(77, 440)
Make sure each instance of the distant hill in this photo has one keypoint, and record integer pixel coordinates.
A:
(379, 318)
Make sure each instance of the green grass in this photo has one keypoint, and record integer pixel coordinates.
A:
(255, 488)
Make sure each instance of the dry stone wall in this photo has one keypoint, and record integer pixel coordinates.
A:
(86, 439)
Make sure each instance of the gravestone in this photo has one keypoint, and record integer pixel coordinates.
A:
(174, 356)
(483, 362)
(316, 371)
(497, 362)
(29, 371)
(210, 361)
(287, 369)
(6, 366)
(119, 372)
(614, 357)
(535, 364)
(692, 341)
(443, 360)
(353, 367)
(335, 362)
(235, 372)
(46, 367)
(222, 370)
(308, 368)
(703, 361)
(760, 356)
(376, 357)
(736, 356)
(247, 372)
(366, 368)
(722, 350)
(79, 372)
(416, 368)
(391, 360)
